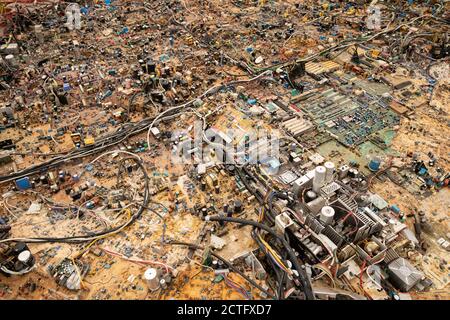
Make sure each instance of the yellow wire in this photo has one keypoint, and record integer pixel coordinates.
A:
(274, 254)
(78, 272)
(104, 236)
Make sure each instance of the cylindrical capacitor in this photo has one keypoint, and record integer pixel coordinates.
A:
(352, 173)
(151, 276)
(238, 206)
(327, 215)
(24, 256)
(329, 166)
(203, 185)
(162, 283)
(61, 176)
(374, 164)
(319, 178)
(43, 179)
(310, 195)
(343, 170)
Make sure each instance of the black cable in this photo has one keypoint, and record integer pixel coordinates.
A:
(197, 247)
(278, 273)
(280, 290)
(300, 268)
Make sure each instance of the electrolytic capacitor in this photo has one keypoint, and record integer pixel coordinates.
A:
(238, 206)
(43, 179)
(163, 284)
(152, 278)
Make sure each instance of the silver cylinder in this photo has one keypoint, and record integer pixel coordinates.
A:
(151, 276)
(319, 178)
(24, 256)
(329, 166)
(327, 215)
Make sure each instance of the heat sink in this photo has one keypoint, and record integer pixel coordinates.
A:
(403, 275)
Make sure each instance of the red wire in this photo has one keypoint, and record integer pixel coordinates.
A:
(361, 274)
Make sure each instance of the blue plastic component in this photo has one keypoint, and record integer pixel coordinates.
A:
(251, 101)
(23, 183)
(90, 205)
(422, 171)
(395, 209)
(374, 165)
(124, 30)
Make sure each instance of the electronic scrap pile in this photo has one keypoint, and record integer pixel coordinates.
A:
(137, 148)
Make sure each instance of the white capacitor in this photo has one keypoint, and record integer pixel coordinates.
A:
(319, 178)
(152, 278)
(329, 166)
(327, 215)
(24, 256)
(343, 170)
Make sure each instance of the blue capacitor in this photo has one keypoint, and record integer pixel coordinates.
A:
(374, 164)
(90, 205)
(395, 209)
